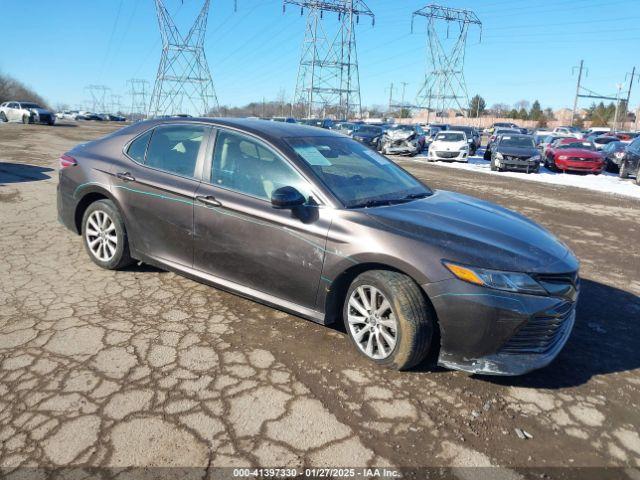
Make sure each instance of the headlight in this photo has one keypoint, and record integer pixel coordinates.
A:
(499, 156)
(562, 157)
(375, 139)
(509, 281)
(535, 158)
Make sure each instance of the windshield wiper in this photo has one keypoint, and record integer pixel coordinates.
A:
(373, 203)
(415, 196)
(390, 201)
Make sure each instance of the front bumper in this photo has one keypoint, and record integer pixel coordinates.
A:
(454, 156)
(580, 166)
(401, 149)
(493, 332)
(519, 164)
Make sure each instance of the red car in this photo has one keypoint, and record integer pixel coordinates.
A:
(571, 154)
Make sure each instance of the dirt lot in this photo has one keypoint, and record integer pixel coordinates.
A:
(143, 367)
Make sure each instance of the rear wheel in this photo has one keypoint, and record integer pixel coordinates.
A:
(104, 235)
(388, 319)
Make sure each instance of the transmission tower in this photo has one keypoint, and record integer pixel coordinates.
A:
(444, 86)
(99, 97)
(183, 83)
(328, 79)
(139, 93)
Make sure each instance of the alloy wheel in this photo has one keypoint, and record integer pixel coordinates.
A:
(101, 235)
(372, 323)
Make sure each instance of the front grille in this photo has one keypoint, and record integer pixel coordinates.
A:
(45, 117)
(447, 154)
(581, 159)
(513, 158)
(542, 332)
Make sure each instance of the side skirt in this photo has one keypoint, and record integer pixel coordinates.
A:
(235, 288)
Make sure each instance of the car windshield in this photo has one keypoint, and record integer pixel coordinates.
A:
(355, 174)
(517, 141)
(450, 137)
(367, 130)
(580, 145)
(30, 105)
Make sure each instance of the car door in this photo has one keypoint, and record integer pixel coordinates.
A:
(240, 237)
(13, 112)
(155, 186)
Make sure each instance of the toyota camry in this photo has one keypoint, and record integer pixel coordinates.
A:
(314, 223)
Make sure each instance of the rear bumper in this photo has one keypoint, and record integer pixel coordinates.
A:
(66, 205)
(498, 333)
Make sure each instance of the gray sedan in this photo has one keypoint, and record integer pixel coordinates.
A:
(317, 224)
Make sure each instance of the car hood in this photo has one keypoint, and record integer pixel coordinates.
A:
(471, 231)
(439, 145)
(577, 152)
(517, 151)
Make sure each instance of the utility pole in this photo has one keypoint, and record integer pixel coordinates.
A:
(390, 95)
(615, 115)
(328, 77)
(633, 73)
(183, 82)
(575, 101)
(404, 86)
(444, 86)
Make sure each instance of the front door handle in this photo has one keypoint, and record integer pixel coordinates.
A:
(208, 200)
(126, 176)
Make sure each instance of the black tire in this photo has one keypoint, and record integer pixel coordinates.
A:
(536, 169)
(3, 117)
(25, 119)
(121, 258)
(624, 171)
(414, 316)
(493, 166)
(638, 176)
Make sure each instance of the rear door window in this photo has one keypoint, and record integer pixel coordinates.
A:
(175, 148)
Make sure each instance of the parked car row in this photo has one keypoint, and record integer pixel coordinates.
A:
(26, 112)
(85, 115)
(559, 152)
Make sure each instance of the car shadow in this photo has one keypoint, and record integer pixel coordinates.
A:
(605, 339)
(22, 172)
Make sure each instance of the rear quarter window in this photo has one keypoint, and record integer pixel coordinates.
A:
(138, 147)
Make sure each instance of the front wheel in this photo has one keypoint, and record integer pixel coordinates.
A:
(25, 119)
(3, 117)
(388, 319)
(624, 171)
(104, 235)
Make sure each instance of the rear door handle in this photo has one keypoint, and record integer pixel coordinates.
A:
(208, 200)
(126, 176)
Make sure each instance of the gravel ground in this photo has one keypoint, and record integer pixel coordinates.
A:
(147, 368)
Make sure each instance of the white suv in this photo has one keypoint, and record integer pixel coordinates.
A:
(26, 112)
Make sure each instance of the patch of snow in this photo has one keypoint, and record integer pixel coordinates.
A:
(605, 182)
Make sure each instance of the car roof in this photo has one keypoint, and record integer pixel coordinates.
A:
(271, 131)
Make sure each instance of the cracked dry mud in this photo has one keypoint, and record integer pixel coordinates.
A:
(146, 368)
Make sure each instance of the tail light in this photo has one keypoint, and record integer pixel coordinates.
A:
(67, 161)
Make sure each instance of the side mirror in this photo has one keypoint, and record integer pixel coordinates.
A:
(287, 197)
